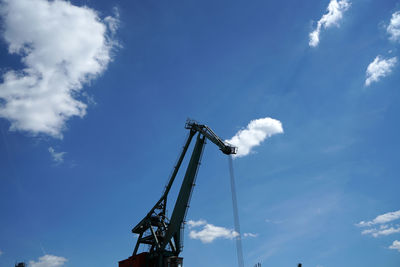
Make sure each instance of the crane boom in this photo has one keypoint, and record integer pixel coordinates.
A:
(161, 234)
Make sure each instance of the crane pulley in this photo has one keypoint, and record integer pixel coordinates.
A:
(163, 235)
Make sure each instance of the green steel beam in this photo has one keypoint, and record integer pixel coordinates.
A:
(181, 204)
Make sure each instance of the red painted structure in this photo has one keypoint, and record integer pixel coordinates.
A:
(138, 260)
(144, 260)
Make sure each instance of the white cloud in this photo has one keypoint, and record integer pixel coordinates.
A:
(250, 235)
(192, 223)
(382, 228)
(381, 219)
(379, 232)
(255, 132)
(1, 252)
(394, 27)
(210, 232)
(57, 156)
(379, 68)
(395, 245)
(48, 261)
(62, 47)
(331, 18)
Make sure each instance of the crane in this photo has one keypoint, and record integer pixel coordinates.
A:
(162, 235)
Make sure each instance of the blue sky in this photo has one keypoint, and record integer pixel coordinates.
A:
(94, 96)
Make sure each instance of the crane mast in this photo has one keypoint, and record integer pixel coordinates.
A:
(161, 234)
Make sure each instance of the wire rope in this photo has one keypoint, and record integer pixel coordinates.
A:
(236, 215)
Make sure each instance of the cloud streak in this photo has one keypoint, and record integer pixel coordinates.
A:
(379, 68)
(381, 219)
(331, 18)
(250, 235)
(381, 232)
(63, 47)
(48, 261)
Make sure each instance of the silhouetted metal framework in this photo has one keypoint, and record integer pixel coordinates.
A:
(163, 235)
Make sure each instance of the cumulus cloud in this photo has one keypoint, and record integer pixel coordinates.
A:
(62, 48)
(210, 232)
(394, 27)
(48, 261)
(58, 157)
(379, 68)
(255, 133)
(395, 245)
(381, 219)
(331, 18)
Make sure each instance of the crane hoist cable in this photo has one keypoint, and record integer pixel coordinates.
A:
(236, 214)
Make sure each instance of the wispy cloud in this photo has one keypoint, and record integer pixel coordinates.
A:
(58, 157)
(382, 225)
(381, 232)
(255, 133)
(379, 68)
(48, 261)
(381, 219)
(393, 29)
(210, 232)
(113, 21)
(1, 252)
(250, 235)
(331, 18)
(395, 245)
(63, 47)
